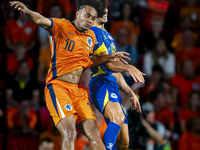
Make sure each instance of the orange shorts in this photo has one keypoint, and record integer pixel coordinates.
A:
(64, 99)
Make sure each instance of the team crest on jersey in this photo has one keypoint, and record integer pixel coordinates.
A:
(89, 41)
(113, 95)
(68, 107)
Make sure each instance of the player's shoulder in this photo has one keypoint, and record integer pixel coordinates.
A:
(60, 20)
(91, 33)
(97, 31)
(109, 35)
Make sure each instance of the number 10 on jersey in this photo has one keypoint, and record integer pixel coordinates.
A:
(69, 45)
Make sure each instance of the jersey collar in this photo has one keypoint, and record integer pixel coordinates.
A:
(76, 27)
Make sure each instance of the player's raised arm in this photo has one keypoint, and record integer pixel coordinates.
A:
(32, 16)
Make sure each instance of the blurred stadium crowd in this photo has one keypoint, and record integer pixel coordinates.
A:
(162, 38)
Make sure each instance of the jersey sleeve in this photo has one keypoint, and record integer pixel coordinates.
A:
(99, 44)
(56, 25)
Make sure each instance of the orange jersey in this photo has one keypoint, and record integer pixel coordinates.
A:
(70, 48)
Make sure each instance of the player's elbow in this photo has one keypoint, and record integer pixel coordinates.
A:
(37, 22)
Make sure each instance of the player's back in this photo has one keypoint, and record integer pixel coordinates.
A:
(70, 48)
(104, 42)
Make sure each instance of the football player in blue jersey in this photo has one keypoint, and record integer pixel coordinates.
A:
(104, 88)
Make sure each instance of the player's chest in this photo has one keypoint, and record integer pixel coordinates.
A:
(109, 43)
(73, 42)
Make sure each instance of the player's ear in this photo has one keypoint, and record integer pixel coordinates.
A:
(77, 13)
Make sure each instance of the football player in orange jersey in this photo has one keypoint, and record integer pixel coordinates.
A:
(71, 43)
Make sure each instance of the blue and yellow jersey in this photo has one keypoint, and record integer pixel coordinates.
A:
(104, 42)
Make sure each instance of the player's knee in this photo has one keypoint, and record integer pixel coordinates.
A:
(68, 131)
(118, 118)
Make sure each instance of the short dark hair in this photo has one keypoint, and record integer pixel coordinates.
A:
(99, 5)
(45, 139)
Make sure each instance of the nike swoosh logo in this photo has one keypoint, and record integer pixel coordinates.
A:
(70, 33)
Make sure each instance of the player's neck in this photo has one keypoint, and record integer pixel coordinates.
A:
(102, 26)
(77, 26)
(99, 25)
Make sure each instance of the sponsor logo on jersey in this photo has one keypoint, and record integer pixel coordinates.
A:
(68, 107)
(89, 41)
(113, 95)
(70, 33)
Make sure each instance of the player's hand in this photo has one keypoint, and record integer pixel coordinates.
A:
(19, 6)
(119, 56)
(135, 105)
(136, 74)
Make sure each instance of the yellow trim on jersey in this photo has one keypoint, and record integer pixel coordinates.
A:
(102, 48)
(123, 109)
(106, 99)
(100, 71)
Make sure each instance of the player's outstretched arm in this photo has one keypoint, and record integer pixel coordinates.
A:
(135, 105)
(118, 66)
(101, 59)
(32, 16)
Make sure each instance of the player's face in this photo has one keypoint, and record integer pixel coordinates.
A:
(104, 19)
(85, 18)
